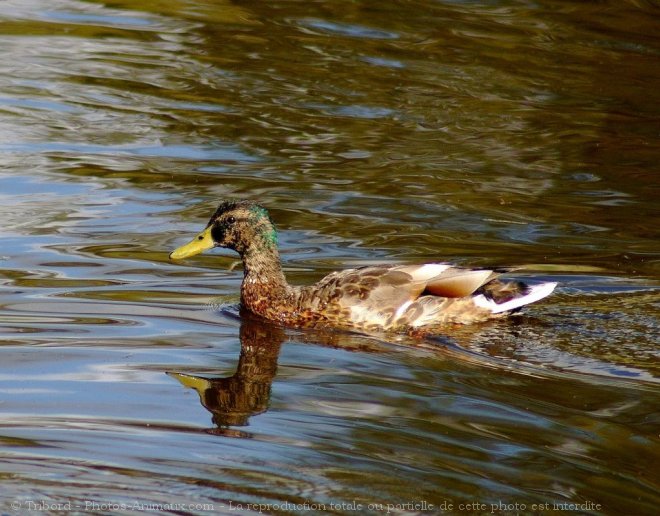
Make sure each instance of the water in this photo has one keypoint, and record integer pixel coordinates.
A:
(486, 133)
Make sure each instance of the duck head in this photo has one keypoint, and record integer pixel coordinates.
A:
(237, 225)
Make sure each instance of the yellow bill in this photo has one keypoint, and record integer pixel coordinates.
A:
(194, 382)
(197, 245)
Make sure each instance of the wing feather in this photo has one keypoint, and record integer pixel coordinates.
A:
(459, 282)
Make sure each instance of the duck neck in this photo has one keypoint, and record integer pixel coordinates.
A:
(263, 270)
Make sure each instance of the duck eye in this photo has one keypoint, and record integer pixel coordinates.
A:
(231, 219)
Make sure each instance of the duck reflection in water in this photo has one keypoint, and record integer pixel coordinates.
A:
(232, 400)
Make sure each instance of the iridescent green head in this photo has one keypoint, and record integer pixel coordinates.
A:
(237, 225)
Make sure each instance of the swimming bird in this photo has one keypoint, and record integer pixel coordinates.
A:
(414, 299)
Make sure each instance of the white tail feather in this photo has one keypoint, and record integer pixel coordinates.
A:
(536, 292)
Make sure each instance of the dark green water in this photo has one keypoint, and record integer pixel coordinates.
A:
(488, 133)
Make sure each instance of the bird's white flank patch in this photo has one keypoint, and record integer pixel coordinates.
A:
(400, 311)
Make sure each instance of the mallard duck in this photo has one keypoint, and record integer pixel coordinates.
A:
(414, 299)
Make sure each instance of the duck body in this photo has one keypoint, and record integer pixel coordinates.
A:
(413, 299)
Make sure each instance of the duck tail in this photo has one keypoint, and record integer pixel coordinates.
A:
(528, 294)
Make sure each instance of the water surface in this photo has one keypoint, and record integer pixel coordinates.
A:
(485, 133)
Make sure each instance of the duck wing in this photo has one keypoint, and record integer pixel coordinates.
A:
(381, 295)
